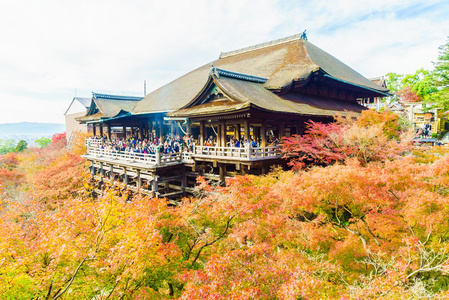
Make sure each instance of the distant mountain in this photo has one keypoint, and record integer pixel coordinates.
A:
(31, 128)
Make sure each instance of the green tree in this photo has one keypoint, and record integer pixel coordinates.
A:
(7, 146)
(21, 145)
(441, 78)
(394, 81)
(43, 142)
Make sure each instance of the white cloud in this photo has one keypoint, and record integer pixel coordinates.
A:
(51, 48)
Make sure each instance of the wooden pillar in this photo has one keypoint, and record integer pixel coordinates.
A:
(172, 128)
(132, 131)
(111, 171)
(154, 188)
(138, 180)
(158, 156)
(184, 181)
(256, 134)
(202, 133)
(94, 129)
(281, 130)
(141, 132)
(161, 133)
(101, 169)
(125, 176)
(150, 128)
(222, 134)
(109, 131)
(222, 169)
(124, 131)
(188, 129)
(92, 169)
(263, 133)
(101, 129)
(238, 132)
(246, 129)
(243, 169)
(264, 169)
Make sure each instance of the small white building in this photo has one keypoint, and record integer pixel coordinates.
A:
(374, 102)
(77, 108)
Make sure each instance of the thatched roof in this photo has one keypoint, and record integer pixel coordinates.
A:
(104, 106)
(282, 62)
(238, 94)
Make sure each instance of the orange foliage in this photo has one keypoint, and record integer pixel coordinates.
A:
(372, 137)
(79, 143)
(357, 229)
(61, 179)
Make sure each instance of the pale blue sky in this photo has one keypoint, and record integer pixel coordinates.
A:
(52, 48)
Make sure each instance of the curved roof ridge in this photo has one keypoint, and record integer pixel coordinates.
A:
(238, 75)
(115, 97)
(262, 45)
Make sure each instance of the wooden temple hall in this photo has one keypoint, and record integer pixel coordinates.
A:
(259, 94)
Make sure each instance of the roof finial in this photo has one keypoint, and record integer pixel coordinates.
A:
(214, 70)
(303, 35)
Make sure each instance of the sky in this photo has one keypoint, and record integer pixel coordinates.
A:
(53, 50)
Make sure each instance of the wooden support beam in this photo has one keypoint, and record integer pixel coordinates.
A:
(281, 130)
(222, 170)
(263, 133)
(222, 134)
(101, 129)
(155, 187)
(172, 128)
(109, 131)
(139, 180)
(184, 182)
(188, 128)
(246, 129)
(238, 132)
(171, 178)
(264, 169)
(161, 133)
(202, 133)
(256, 134)
(94, 129)
(111, 171)
(141, 132)
(125, 176)
(92, 169)
(124, 131)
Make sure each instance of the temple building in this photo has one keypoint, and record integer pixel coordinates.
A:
(254, 95)
(77, 108)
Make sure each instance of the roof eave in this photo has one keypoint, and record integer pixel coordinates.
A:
(384, 94)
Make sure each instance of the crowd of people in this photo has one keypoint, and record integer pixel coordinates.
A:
(424, 132)
(132, 144)
(168, 144)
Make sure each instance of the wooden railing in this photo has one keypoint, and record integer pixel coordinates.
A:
(227, 153)
(148, 158)
(93, 142)
(246, 153)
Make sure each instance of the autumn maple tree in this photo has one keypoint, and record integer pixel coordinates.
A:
(370, 137)
(362, 223)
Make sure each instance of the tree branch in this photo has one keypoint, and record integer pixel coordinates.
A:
(72, 278)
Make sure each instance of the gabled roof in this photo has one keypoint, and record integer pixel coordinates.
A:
(105, 106)
(85, 102)
(282, 62)
(379, 81)
(238, 93)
